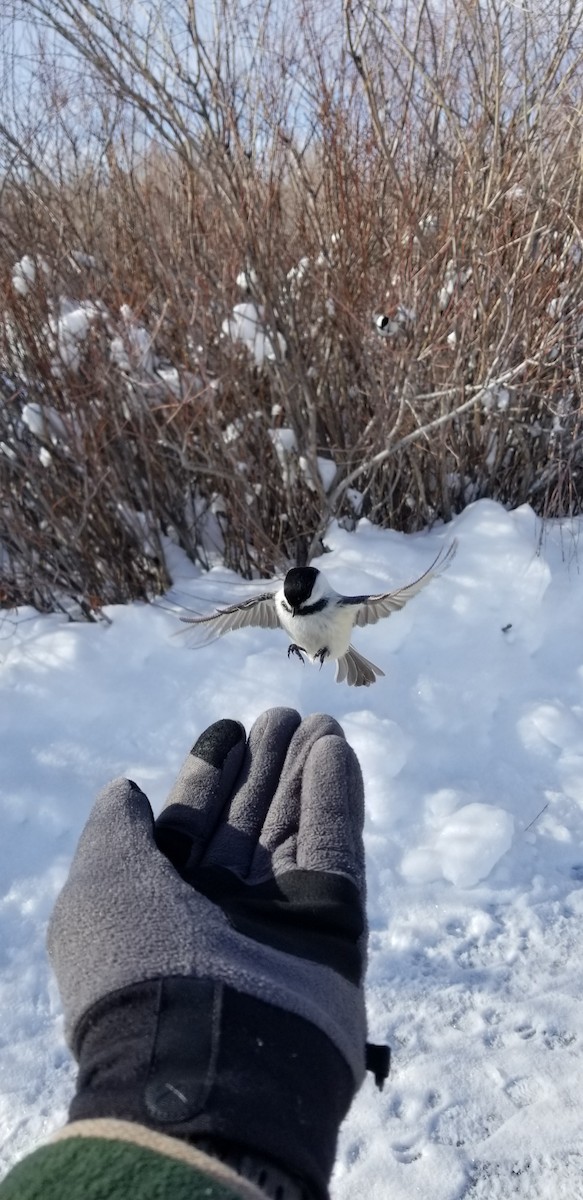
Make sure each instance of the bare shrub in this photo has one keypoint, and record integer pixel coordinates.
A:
(394, 194)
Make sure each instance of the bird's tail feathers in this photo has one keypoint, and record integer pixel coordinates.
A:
(356, 669)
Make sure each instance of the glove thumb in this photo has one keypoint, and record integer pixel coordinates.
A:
(118, 832)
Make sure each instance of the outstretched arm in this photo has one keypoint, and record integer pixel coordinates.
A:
(211, 970)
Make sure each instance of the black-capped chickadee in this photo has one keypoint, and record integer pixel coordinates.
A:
(319, 620)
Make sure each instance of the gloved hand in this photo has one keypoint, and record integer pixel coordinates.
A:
(210, 964)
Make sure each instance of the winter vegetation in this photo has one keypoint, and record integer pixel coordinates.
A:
(303, 282)
(265, 266)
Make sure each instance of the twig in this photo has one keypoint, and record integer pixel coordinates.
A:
(539, 814)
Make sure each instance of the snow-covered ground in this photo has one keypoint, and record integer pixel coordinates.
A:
(472, 752)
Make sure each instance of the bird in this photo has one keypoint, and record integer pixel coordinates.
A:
(318, 620)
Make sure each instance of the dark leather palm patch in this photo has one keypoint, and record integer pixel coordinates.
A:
(314, 915)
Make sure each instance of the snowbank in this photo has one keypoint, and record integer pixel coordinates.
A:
(472, 751)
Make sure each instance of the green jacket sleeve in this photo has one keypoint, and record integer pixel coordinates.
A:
(94, 1160)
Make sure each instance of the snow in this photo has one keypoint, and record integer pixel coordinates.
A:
(48, 425)
(297, 276)
(69, 323)
(171, 379)
(69, 333)
(464, 846)
(453, 278)
(492, 398)
(472, 752)
(326, 471)
(285, 446)
(138, 339)
(247, 325)
(247, 280)
(24, 273)
(33, 417)
(133, 349)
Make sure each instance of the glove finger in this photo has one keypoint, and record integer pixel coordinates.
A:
(198, 797)
(276, 847)
(332, 812)
(236, 836)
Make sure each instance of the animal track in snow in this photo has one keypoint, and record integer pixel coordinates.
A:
(526, 1032)
(406, 1153)
(551, 1037)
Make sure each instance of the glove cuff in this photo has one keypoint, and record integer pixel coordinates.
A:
(270, 1179)
(196, 1059)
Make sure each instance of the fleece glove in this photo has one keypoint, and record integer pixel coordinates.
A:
(211, 963)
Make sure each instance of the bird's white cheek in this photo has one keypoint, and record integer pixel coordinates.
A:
(285, 619)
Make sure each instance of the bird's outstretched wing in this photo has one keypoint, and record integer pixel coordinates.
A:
(369, 609)
(257, 610)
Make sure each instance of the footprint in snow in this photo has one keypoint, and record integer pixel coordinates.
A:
(555, 1038)
(526, 1032)
(406, 1153)
(525, 1091)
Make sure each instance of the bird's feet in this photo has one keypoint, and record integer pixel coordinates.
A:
(297, 650)
(322, 654)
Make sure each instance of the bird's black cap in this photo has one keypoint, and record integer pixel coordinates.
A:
(298, 584)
